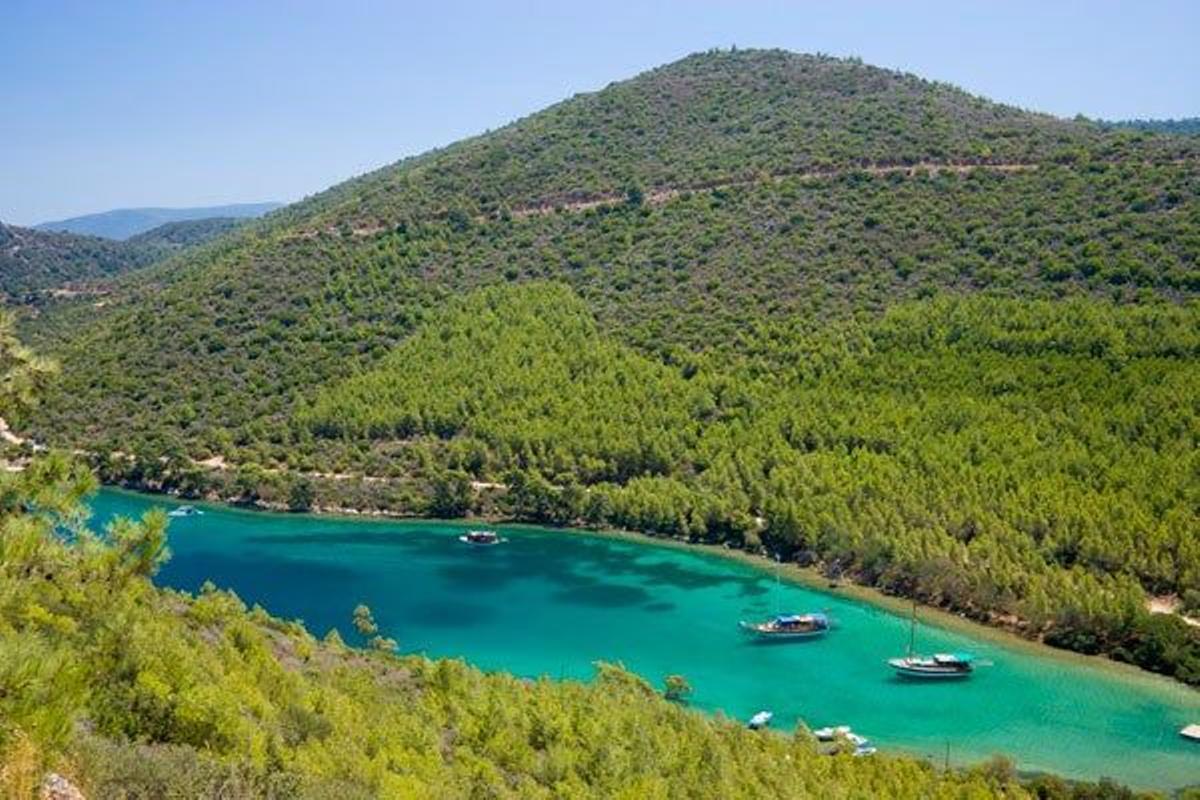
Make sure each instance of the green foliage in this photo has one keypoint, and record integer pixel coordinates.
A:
(364, 621)
(676, 688)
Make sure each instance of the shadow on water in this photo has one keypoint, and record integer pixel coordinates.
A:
(755, 641)
(561, 558)
(451, 614)
(659, 607)
(344, 538)
(603, 595)
(477, 577)
(257, 569)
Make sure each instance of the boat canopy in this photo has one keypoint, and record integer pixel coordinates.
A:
(953, 658)
(796, 619)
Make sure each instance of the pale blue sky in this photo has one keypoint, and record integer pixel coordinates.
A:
(175, 102)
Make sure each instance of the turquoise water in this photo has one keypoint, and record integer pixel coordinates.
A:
(551, 603)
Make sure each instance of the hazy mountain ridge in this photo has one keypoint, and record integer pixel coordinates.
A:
(123, 223)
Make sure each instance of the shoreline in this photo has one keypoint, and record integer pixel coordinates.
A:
(805, 577)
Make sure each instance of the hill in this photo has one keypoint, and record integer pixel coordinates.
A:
(794, 275)
(186, 233)
(38, 264)
(34, 261)
(123, 223)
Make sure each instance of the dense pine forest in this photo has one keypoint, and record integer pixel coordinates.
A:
(794, 303)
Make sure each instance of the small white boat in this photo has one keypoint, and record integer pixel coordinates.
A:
(185, 511)
(481, 538)
(862, 745)
(829, 734)
(1191, 732)
(760, 720)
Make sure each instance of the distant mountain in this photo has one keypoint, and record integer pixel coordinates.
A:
(1187, 126)
(35, 263)
(125, 222)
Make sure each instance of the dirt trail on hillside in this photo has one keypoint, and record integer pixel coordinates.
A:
(663, 195)
(575, 202)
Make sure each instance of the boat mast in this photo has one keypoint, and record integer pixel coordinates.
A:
(777, 560)
(912, 631)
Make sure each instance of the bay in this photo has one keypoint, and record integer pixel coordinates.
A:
(551, 602)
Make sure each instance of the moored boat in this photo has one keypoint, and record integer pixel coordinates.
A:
(939, 665)
(862, 745)
(481, 538)
(1191, 732)
(936, 666)
(788, 626)
(760, 720)
(831, 733)
(185, 511)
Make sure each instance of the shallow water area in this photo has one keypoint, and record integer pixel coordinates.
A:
(549, 602)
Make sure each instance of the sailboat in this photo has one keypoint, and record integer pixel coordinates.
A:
(782, 627)
(938, 665)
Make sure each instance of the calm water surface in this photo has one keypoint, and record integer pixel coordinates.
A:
(551, 603)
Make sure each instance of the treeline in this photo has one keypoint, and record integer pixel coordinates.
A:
(997, 457)
(1188, 126)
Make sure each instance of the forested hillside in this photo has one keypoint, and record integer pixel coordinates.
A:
(186, 233)
(872, 321)
(35, 262)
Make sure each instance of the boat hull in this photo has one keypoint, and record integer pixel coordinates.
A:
(781, 636)
(476, 543)
(928, 673)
